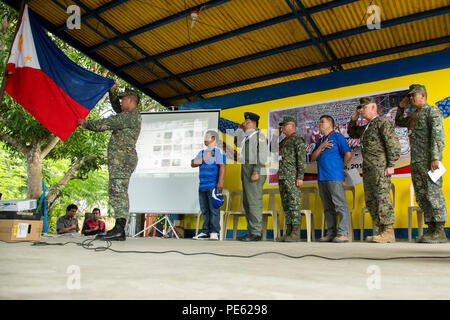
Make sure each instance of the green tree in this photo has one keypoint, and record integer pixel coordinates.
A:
(26, 139)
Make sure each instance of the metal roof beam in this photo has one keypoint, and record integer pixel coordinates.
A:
(123, 51)
(99, 10)
(318, 33)
(105, 23)
(82, 48)
(356, 58)
(312, 37)
(302, 44)
(240, 31)
(160, 23)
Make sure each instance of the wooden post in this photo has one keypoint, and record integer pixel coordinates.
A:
(5, 74)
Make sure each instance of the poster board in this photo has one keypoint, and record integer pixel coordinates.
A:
(163, 181)
(341, 110)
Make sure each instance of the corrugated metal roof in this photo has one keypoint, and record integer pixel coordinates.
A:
(237, 45)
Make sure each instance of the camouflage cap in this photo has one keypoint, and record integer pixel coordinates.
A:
(287, 119)
(130, 92)
(414, 88)
(365, 101)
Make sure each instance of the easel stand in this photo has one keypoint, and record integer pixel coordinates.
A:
(166, 221)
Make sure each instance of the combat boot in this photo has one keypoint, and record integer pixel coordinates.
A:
(437, 236)
(288, 232)
(295, 234)
(117, 233)
(387, 234)
(430, 231)
(379, 230)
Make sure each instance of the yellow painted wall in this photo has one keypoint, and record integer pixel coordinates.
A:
(437, 84)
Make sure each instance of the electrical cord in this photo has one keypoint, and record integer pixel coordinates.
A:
(88, 244)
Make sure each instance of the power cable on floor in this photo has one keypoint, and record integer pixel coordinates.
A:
(88, 244)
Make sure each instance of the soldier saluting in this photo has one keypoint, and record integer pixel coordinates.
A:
(427, 143)
(122, 156)
(380, 150)
(253, 156)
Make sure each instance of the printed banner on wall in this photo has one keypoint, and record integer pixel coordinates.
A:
(341, 110)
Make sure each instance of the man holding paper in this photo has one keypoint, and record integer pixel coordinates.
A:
(427, 143)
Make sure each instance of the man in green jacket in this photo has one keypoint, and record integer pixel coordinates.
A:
(380, 150)
(122, 156)
(427, 142)
(292, 164)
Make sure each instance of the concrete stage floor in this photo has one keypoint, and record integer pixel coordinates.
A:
(72, 272)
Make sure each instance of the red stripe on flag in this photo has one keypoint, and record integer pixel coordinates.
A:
(45, 100)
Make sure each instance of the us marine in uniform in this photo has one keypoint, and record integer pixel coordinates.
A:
(427, 143)
(122, 156)
(380, 150)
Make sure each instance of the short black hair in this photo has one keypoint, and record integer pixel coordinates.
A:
(71, 206)
(330, 118)
(95, 209)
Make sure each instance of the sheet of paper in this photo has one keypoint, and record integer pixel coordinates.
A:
(352, 177)
(436, 174)
(22, 230)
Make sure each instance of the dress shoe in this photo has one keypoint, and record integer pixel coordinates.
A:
(327, 238)
(340, 239)
(250, 237)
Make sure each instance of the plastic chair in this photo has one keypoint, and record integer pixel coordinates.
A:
(223, 228)
(350, 214)
(307, 212)
(271, 212)
(365, 210)
(419, 213)
(235, 194)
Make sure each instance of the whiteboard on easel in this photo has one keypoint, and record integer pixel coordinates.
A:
(164, 181)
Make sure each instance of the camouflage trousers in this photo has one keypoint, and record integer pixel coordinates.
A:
(119, 179)
(118, 197)
(290, 199)
(429, 195)
(378, 198)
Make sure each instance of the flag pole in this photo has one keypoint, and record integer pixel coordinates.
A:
(5, 73)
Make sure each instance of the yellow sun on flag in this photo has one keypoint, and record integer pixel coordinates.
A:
(19, 45)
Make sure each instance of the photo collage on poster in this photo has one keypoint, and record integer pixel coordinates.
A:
(170, 145)
(341, 110)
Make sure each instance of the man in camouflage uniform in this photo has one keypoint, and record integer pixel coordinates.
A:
(122, 155)
(253, 156)
(380, 150)
(427, 143)
(292, 164)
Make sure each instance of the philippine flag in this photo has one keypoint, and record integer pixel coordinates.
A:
(50, 86)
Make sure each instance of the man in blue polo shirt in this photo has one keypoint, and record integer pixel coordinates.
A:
(212, 162)
(332, 154)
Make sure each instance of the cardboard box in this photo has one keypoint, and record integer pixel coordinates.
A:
(20, 230)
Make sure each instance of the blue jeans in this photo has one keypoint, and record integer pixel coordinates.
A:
(211, 215)
(334, 202)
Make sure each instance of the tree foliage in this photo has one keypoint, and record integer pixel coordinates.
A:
(74, 170)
